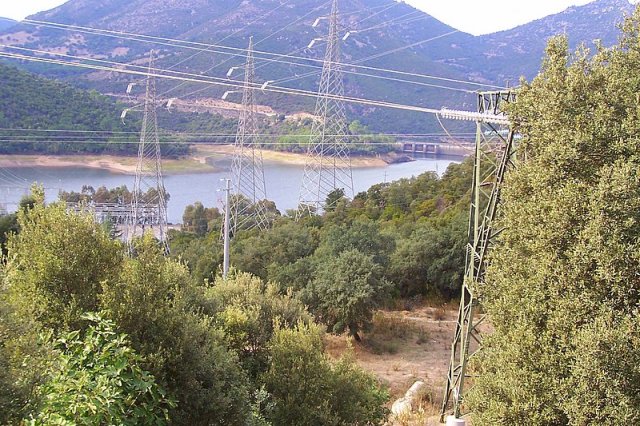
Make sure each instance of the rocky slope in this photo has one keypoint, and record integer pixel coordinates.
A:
(284, 27)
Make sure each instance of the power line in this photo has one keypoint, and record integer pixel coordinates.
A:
(228, 134)
(121, 139)
(214, 79)
(208, 142)
(219, 41)
(232, 34)
(312, 11)
(388, 52)
(258, 42)
(221, 82)
(294, 52)
(190, 44)
(273, 89)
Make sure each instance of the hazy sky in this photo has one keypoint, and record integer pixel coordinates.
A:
(488, 16)
(474, 16)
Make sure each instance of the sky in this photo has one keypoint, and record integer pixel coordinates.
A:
(488, 16)
(472, 16)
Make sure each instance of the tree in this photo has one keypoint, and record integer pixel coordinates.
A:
(563, 286)
(199, 219)
(361, 235)
(246, 309)
(431, 259)
(202, 255)
(347, 290)
(156, 303)
(308, 389)
(97, 379)
(333, 198)
(57, 263)
(18, 347)
(264, 253)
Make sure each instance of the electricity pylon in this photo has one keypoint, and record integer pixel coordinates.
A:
(249, 189)
(149, 204)
(328, 165)
(494, 155)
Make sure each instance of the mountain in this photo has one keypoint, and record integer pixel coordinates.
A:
(6, 23)
(380, 26)
(91, 120)
(36, 103)
(389, 25)
(519, 51)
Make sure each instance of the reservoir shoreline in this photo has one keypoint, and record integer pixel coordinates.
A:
(282, 179)
(203, 159)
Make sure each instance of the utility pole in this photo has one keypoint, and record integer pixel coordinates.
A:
(225, 262)
(149, 204)
(328, 165)
(494, 154)
(249, 189)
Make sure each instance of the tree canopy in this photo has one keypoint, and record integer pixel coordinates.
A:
(563, 287)
(163, 348)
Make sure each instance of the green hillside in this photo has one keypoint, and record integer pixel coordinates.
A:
(91, 121)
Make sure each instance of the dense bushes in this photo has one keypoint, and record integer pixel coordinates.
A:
(308, 389)
(410, 234)
(563, 287)
(163, 346)
(32, 104)
(95, 378)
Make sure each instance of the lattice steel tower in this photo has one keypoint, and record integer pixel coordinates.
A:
(249, 189)
(149, 204)
(494, 155)
(328, 166)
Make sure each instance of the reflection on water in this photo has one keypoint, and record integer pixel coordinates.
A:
(283, 182)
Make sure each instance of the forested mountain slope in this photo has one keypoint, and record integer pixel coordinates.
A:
(34, 103)
(84, 121)
(385, 33)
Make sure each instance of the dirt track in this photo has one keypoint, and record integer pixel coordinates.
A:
(399, 358)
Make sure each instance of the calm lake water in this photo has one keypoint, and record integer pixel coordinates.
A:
(283, 182)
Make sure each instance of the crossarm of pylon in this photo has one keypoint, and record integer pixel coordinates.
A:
(453, 114)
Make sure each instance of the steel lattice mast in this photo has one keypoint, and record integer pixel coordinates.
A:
(494, 155)
(149, 204)
(249, 189)
(328, 165)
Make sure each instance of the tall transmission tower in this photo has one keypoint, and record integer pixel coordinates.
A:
(328, 165)
(249, 189)
(149, 204)
(494, 154)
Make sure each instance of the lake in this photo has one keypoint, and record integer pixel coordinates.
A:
(283, 182)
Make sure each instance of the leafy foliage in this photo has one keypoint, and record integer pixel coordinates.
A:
(209, 346)
(563, 288)
(293, 136)
(247, 310)
(199, 219)
(347, 290)
(309, 390)
(404, 238)
(184, 350)
(35, 103)
(97, 379)
(57, 265)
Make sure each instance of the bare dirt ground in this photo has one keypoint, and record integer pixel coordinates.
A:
(204, 151)
(114, 164)
(403, 347)
(202, 160)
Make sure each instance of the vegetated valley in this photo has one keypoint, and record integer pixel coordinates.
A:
(327, 318)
